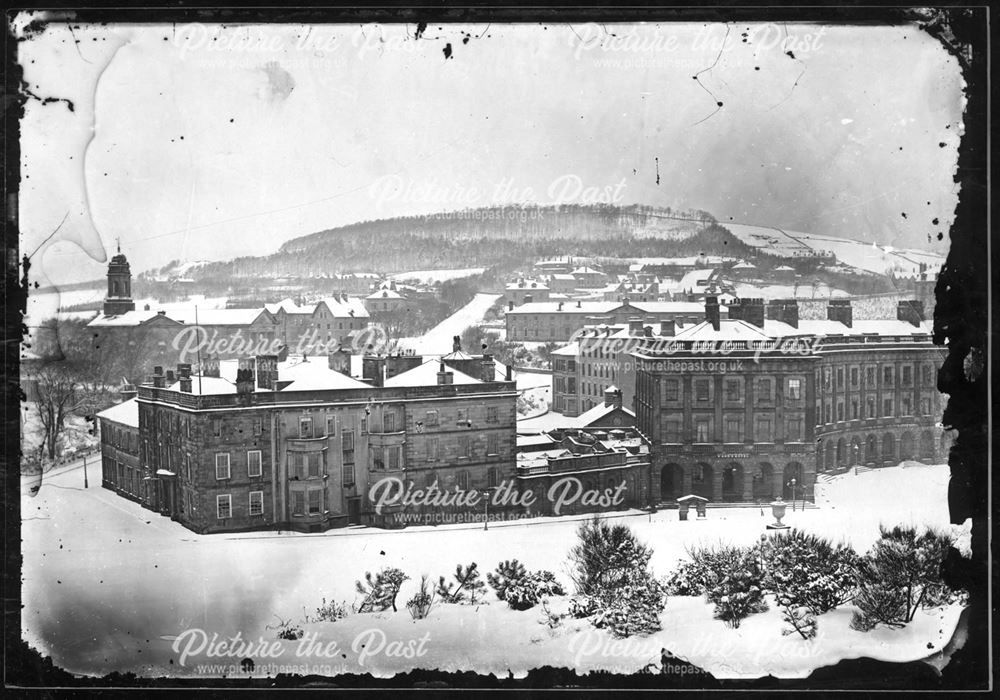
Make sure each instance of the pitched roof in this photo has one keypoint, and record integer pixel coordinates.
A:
(314, 375)
(129, 318)
(384, 294)
(599, 412)
(426, 375)
(126, 413)
(342, 307)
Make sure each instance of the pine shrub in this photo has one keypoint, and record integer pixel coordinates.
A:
(531, 589)
(610, 569)
(803, 570)
(379, 591)
(422, 601)
(467, 587)
(899, 575)
(507, 572)
(734, 582)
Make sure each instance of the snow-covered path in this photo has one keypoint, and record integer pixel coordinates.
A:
(437, 341)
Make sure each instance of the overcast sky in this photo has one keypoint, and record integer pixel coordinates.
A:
(209, 142)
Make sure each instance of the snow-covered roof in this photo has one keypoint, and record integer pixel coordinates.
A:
(569, 350)
(597, 413)
(458, 355)
(217, 317)
(586, 271)
(290, 307)
(125, 413)
(426, 375)
(129, 318)
(314, 375)
(563, 276)
(744, 265)
(729, 329)
(526, 284)
(343, 306)
(207, 386)
(385, 294)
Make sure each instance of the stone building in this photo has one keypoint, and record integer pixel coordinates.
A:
(560, 466)
(558, 321)
(750, 408)
(300, 444)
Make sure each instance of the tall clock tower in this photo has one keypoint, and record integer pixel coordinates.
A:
(119, 299)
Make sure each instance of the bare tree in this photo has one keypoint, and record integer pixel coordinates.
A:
(57, 396)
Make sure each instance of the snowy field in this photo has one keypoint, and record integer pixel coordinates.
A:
(856, 253)
(109, 585)
(433, 276)
(437, 341)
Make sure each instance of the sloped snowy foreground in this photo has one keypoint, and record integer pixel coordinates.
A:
(110, 586)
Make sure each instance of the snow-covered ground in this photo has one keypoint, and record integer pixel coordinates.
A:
(110, 586)
(438, 339)
(432, 276)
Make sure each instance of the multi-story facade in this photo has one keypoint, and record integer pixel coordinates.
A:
(299, 444)
(748, 408)
(599, 358)
(558, 321)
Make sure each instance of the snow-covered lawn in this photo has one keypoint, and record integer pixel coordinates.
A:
(108, 585)
(437, 341)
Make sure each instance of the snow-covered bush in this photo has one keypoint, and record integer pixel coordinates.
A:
(422, 601)
(380, 590)
(582, 606)
(507, 572)
(799, 619)
(286, 630)
(331, 612)
(899, 575)
(634, 608)
(605, 556)
(611, 573)
(468, 587)
(734, 582)
(529, 590)
(806, 570)
(688, 579)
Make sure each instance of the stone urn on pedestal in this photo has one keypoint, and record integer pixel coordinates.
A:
(778, 508)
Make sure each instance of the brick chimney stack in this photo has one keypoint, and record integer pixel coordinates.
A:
(488, 369)
(712, 311)
(158, 377)
(911, 311)
(749, 310)
(244, 376)
(840, 310)
(635, 326)
(444, 376)
(613, 397)
(785, 311)
(456, 343)
(267, 371)
(667, 328)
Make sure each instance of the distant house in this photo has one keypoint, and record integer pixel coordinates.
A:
(526, 290)
(384, 301)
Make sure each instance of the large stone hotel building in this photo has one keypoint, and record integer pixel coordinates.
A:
(750, 408)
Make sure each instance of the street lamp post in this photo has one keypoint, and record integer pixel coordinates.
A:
(85, 485)
(792, 484)
(486, 509)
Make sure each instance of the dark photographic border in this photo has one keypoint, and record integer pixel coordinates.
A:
(962, 319)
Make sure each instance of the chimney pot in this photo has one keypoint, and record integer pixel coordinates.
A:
(510, 306)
